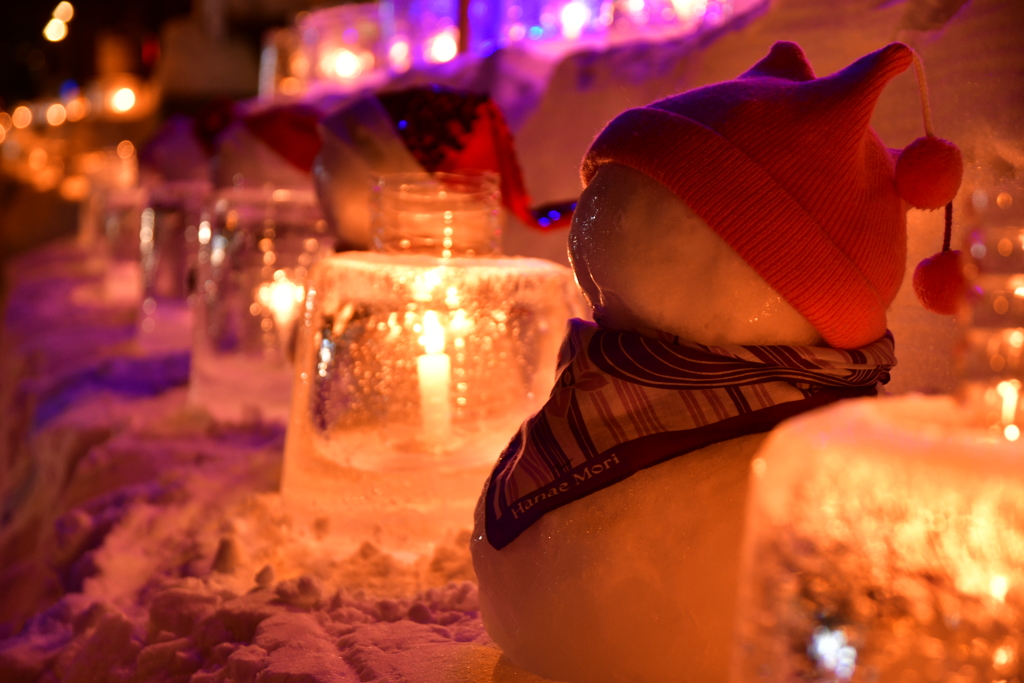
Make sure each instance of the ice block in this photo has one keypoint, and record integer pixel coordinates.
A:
(412, 374)
(884, 543)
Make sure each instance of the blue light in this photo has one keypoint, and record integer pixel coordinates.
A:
(543, 222)
(68, 89)
(403, 124)
(536, 32)
(554, 215)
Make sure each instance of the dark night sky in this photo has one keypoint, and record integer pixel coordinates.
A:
(30, 66)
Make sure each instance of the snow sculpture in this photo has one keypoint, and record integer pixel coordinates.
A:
(415, 362)
(739, 245)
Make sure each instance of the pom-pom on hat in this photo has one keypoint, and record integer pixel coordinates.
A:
(785, 167)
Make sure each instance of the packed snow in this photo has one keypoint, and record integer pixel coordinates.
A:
(163, 553)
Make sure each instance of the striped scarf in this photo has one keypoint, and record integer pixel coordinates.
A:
(624, 401)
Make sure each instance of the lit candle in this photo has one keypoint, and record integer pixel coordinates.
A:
(282, 297)
(434, 370)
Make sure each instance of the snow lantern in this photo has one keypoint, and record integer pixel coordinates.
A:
(417, 361)
(113, 180)
(531, 20)
(255, 248)
(418, 32)
(992, 313)
(168, 250)
(884, 542)
(341, 46)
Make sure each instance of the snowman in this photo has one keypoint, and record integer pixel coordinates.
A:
(739, 245)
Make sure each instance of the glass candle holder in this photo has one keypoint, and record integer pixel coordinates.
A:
(414, 370)
(440, 214)
(884, 542)
(991, 365)
(255, 248)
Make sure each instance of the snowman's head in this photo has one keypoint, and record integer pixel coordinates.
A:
(756, 211)
(645, 261)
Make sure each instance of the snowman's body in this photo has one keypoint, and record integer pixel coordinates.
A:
(636, 582)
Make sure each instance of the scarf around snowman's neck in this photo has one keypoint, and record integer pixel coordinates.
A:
(624, 401)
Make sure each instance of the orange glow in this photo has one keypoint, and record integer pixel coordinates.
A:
(122, 100)
(77, 109)
(22, 117)
(282, 297)
(55, 30)
(74, 188)
(56, 114)
(125, 149)
(290, 85)
(37, 159)
(432, 338)
(64, 11)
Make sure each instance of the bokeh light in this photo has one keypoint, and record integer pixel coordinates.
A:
(22, 117)
(347, 64)
(56, 114)
(122, 100)
(77, 109)
(399, 55)
(575, 16)
(64, 11)
(443, 46)
(55, 30)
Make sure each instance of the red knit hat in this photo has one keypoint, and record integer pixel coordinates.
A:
(786, 169)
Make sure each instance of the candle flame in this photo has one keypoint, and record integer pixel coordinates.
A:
(998, 587)
(282, 297)
(1009, 392)
(432, 338)
(461, 324)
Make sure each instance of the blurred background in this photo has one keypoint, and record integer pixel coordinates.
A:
(58, 62)
(98, 97)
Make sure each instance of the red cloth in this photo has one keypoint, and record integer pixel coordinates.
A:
(489, 146)
(290, 131)
(454, 130)
(786, 168)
